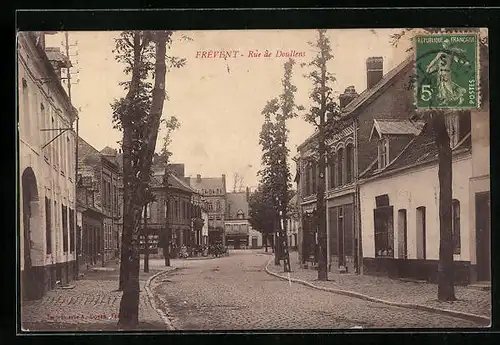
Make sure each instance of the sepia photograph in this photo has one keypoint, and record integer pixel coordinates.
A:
(253, 180)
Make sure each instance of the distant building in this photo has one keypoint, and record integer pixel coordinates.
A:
(46, 168)
(293, 223)
(99, 177)
(178, 200)
(239, 233)
(213, 194)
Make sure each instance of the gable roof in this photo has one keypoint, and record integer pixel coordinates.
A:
(174, 182)
(368, 94)
(236, 202)
(396, 127)
(207, 183)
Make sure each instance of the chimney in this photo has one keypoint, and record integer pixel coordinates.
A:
(248, 194)
(177, 170)
(347, 97)
(224, 183)
(198, 178)
(374, 70)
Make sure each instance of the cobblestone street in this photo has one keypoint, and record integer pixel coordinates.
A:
(92, 305)
(469, 300)
(235, 293)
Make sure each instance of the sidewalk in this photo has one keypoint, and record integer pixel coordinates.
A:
(392, 290)
(92, 305)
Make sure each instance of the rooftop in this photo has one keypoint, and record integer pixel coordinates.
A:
(396, 127)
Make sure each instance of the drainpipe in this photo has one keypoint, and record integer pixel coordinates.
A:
(357, 199)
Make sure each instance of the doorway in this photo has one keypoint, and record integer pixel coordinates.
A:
(29, 287)
(402, 234)
(483, 236)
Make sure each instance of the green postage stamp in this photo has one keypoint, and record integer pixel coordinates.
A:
(447, 71)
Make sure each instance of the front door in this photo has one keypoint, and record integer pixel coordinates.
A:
(254, 242)
(236, 243)
(483, 236)
(29, 292)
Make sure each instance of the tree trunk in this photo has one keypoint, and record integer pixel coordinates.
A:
(320, 205)
(134, 192)
(446, 289)
(265, 241)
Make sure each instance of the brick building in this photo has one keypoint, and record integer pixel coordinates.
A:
(381, 218)
(350, 152)
(400, 197)
(181, 203)
(46, 137)
(213, 194)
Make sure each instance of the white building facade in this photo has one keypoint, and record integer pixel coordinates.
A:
(47, 217)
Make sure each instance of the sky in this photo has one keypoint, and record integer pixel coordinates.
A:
(219, 101)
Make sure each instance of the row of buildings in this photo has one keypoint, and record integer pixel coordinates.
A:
(71, 194)
(382, 188)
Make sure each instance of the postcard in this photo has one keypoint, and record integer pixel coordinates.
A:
(242, 180)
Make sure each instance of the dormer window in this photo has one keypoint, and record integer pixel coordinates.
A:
(240, 214)
(383, 153)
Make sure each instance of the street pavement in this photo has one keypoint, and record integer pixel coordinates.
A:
(92, 305)
(469, 300)
(235, 293)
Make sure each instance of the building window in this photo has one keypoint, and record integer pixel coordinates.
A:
(384, 231)
(71, 230)
(48, 226)
(332, 169)
(241, 214)
(26, 109)
(402, 234)
(421, 233)
(349, 163)
(455, 226)
(314, 177)
(64, 212)
(210, 207)
(308, 180)
(45, 134)
(383, 153)
(146, 211)
(340, 166)
(218, 205)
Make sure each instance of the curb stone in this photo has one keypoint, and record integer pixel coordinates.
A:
(473, 317)
(152, 300)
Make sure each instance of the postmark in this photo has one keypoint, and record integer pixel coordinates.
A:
(447, 71)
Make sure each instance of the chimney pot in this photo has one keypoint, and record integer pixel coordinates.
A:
(198, 178)
(374, 70)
